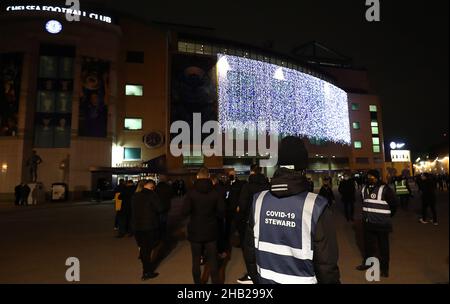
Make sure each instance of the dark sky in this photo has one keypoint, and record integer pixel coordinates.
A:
(406, 53)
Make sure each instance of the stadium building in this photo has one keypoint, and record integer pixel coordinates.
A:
(95, 98)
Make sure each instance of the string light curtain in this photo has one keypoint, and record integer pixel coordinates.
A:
(292, 102)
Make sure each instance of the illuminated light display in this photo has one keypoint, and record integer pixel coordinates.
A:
(252, 91)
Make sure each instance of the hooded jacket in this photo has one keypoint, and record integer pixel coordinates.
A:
(146, 207)
(324, 241)
(256, 183)
(204, 205)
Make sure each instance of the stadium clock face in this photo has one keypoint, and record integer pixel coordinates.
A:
(154, 139)
(53, 26)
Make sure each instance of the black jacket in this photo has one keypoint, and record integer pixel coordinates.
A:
(256, 183)
(125, 196)
(165, 193)
(324, 243)
(347, 190)
(204, 205)
(146, 207)
(233, 190)
(327, 193)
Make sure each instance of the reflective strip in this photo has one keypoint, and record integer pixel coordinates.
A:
(279, 185)
(279, 189)
(258, 204)
(286, 250)
(376, 210)
(362, 191)
(308, 207)
(380, 192)
(285, 278)
(368, 200)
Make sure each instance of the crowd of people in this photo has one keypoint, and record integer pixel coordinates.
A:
(285, 231)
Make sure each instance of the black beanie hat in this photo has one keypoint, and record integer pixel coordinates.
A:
(374, 173)
(292, 151)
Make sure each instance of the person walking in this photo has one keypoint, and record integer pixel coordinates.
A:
(257, 182)
(347, 191)
(203, 205)
(126, 209)
(233, 189)
(290, 236)
(327, 190)
(146, 208)
(165, 193)
(428, 189)
(117, 202)
(403, 191)
(378, 207)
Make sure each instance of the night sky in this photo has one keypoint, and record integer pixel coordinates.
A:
(406, 53)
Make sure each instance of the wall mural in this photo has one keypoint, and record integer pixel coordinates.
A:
(94, 97)
(10, 72)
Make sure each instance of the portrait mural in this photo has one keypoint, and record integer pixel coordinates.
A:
(94, 97)
(10, 72)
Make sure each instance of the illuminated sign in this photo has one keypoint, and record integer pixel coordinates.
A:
(53, 26)
(400, 156)
(394, 145)
(59, 9)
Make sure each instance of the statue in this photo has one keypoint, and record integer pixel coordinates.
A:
(33, 163)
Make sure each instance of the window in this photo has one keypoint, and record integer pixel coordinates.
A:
(134, 90)
(376, 148)
(362, 160)
(377, 160)
(372, 108)
(355, 106)
(132, 153)
(133, 124)
(375, 140)
(135, 57)
(356, 125)
(374, 123)
(375, 130)
(357, 144)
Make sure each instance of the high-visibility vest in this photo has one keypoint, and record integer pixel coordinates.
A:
(118, 202)
(375, 209)
(283, 233)
(400, 187)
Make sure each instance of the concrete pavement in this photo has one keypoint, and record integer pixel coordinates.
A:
(36, 241)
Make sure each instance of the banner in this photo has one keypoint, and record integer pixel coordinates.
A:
(94, 97)
(10, 72)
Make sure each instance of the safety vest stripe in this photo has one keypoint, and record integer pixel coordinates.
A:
(380, 192)
(306, 221)
(279, 185)
(279, 189)
(376, 210)
(258, 204)
(368, 200)
(285, 278)
(301, 254)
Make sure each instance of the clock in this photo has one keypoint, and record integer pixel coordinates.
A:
(53, 26)
(154, 139)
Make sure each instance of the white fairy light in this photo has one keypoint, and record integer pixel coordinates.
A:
(250, 91)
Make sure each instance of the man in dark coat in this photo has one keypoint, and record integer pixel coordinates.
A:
(327, 191)
(379, 206)
(204, 206)
(25, 193)
(18, 194)
(428, 188)
(289, 185)
(347, 191)
(233, 189)
(165, 193)
(125, 210)
(257, 182)
(146, 208)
